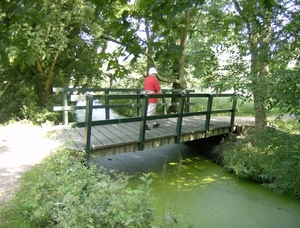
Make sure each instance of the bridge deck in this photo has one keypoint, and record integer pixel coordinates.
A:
(124, 137)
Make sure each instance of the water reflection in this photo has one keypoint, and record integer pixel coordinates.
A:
(98, 114)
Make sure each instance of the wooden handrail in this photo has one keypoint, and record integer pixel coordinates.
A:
(66, 92)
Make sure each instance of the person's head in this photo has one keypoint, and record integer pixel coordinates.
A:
(152, 71)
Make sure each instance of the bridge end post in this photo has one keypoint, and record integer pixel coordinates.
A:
(179, 119)
(208, 114)
(143, 122)
(65, 104)
(233, 110)
(88, 126)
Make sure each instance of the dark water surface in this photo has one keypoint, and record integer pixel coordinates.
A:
(201, 194)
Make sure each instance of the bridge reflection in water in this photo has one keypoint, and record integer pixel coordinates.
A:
(115, 136)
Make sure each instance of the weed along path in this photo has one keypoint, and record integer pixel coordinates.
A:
(199, 194)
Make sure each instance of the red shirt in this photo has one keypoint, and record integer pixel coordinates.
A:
(151, 83)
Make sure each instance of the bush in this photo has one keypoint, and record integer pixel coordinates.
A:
(244, 159)
(61, 192)
(271, 158)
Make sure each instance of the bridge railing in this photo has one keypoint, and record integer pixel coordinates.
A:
(142, 117)
(68, 92)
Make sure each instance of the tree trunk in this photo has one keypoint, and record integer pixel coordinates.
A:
(261, 89)
(259, 42)
(48, 76)
(179, 65)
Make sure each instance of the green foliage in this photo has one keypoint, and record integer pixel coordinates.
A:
(23, 101)
(44, 44)
(67, 43)
(285, 91)
(61, 192)
(271, 157)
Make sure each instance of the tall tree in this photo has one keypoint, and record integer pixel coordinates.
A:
(157, 30)
(43, 32)
(43, 44)
(258, 27)
(249, 40)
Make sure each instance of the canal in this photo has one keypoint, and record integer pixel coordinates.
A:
(198, 193)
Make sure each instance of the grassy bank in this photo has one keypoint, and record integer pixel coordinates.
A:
(62, 192)
(271, 158)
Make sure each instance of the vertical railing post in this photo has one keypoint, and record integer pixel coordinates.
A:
(164, 106)
(208, 114)
(188, 100)
(88, 125)
(143, 122)
(65, 104)
(233, 109)
(138, 101)
(107, 114)
(180, 117)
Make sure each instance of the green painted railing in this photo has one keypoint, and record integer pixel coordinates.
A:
(68, 92)
(142, 104)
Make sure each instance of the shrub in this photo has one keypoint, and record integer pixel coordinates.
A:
(61, 192)
(272, 158)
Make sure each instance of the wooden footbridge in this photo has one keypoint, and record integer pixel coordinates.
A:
(195, 118)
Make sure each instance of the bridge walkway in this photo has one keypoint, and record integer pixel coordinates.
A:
(119, 138)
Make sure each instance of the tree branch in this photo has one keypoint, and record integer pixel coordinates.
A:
(54, 62)
(39, 66)
(240, 11)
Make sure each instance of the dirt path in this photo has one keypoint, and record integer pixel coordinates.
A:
(21, 146)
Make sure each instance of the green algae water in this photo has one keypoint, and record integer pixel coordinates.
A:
(198, 193)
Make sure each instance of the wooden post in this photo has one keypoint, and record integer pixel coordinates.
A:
(233, 109)
(143, 122)
(65, 104)
(107, 114)
(88, 125)
(179, 119)
(138, 101)
(188, 100)
(164, 106)
(208, 114)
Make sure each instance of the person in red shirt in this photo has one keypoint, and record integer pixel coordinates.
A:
(151, 86)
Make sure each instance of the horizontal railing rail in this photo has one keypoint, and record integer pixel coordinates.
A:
(68, 92)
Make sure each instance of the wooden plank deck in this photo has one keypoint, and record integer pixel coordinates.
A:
(124, 137)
